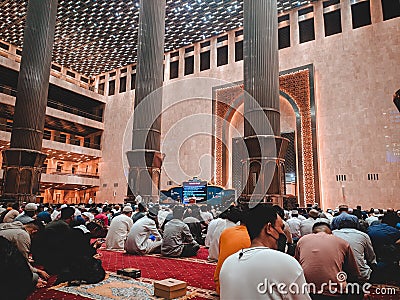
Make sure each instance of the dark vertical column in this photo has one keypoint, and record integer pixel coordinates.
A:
(24, 159)
(261, 83)
(261, 65)
(145, 158)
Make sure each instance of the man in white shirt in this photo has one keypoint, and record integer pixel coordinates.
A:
(206, 216)
(372, 216)
(227, 219)
(294, 224)
(261, 272)
(119, 229)
(360, 243)
(144, 237)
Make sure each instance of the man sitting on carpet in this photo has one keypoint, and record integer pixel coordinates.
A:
(144, 237)
(20, 235)
(307, 224)
(16, 280)
(177, 239)
(195, 223)
(141, 212)
(12, 214)
(119, 229)
(261, 272)
(67, 252)
(385, 240)
(232, 239)
(360, 243)
(28, 214)
(324, 257)
(226, 219)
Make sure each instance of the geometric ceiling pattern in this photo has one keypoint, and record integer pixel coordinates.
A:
(95, 36)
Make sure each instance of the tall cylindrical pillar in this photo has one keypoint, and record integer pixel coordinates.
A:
(261, 84)
(24, 159)
(145, 157)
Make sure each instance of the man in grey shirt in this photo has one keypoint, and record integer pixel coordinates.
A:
(307, 224)
(360, 243)
(177, 239)
(28, 214)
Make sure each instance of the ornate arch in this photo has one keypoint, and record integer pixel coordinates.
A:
(297, 86)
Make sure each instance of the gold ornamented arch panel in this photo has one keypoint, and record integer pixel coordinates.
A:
(296, 86)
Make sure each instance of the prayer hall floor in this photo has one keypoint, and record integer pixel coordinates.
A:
(196, 271)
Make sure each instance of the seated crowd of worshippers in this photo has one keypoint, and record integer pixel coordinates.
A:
(255, 249)
(336, 254)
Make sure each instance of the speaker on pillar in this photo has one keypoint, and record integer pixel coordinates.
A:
(396, 100)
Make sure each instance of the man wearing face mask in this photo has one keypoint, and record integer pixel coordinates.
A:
(261, 272)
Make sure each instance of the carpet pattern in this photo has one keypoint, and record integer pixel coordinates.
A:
(196, 271)
(116, 287)
(197, 274)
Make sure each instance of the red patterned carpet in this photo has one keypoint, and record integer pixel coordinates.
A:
(197, 274)
(195, 271)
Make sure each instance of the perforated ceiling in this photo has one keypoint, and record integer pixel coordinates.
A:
(95, 36)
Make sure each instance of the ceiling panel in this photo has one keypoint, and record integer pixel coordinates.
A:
(95, 36)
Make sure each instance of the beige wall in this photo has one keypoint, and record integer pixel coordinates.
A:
(355, 78)
(118, 110)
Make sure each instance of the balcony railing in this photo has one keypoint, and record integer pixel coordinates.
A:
(55, 104)
(72, 110)
(55, 171)
(57, 138)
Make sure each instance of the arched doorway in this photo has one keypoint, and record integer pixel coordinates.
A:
(298, 122)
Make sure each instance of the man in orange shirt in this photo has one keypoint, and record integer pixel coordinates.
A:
(231, 241)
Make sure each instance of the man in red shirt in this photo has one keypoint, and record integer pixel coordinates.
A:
(328, 263)
(103, 216)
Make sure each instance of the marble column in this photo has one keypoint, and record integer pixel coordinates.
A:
(145, 158)
(261, 82)
(23, 160)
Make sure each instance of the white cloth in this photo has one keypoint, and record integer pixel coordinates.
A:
(206, 216)
(83, 228)
(371, 219)
(89, 215)
(257, 274)
(55, 214)
(211, 229)
(361, 245)
(138, 199)
(301, 217)
(118, 232)
(162, 215)
(214, 231)
(138, 240)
